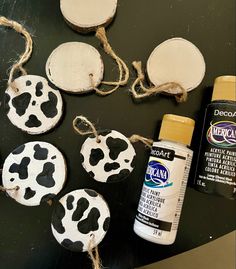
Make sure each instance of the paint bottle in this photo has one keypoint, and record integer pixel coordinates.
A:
(165, 181)
(216, 169)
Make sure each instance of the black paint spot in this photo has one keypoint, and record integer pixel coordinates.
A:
(91, 193)
(45, 178)
(29, 193)
(28, 83)
(111, 166)
(21, 103)
(91, 173)
(54, 157)
(58, 215)
(49, 108)
(33, 122)
(96, 156)
(33, 103)
(105, 132)
(47, 197)
(82, 206)
(12, 179)
(39, 87)
(126, 160)
(6, 102)
(133, 162)
(116, 146)
(81, 157)
(90, 224)
(40, 153)
(19, 150)
(106, 224)
(73, 246)
(69, 202)
(21, 169)
(116, 178)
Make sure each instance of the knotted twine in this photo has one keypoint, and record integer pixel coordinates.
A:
(79, 120)
(25, 56)
(123, 69)
(180, 97)
(9, 189)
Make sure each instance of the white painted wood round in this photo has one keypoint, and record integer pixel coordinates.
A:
(176, 60)
(87, 15)
(70, 65)
(38, 169)
(35, 108)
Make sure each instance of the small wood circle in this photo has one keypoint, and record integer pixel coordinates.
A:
(176, 60)
(80, 220)
(35, 107)
(86, 15)
(38, 169)
(111, 160)
(75, 67)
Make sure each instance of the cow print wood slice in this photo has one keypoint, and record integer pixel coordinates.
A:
(80, 220)
(109, 161)
(38, 169)
(75, 67)
(35, 108)
(86, 15)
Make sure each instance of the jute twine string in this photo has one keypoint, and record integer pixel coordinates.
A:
(123, 69)
(180, 97)
(3, 189)
(94, 255)
(25, 56)
(138, 138)
(78, 120)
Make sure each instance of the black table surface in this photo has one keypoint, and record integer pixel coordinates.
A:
(26, 240)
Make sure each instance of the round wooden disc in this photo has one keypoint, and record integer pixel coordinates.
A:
(36, 107)
(80, 220)
(38, 169)
(87, 15)
(70, 65)
(109, 161)
(176, 60)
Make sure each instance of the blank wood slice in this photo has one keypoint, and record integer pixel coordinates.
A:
(70, 65)
(176, 60)
(38, 169)
(36, 107)
(80, 220)
(86, 15)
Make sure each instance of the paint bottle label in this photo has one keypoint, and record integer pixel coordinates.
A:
(163, 191)
(216, 170)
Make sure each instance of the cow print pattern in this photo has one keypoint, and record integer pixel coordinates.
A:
(35, 108)
(38, 169)
(109, 161)
(78, 217)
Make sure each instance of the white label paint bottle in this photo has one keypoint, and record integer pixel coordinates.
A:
(165, 181)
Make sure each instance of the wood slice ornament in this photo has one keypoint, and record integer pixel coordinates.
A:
(80, 220)
(35, 108)
(75, 67)
(94, 15)
(86, 15)
(32, 105)
(34, 173)
(175, 67)
(107, 156)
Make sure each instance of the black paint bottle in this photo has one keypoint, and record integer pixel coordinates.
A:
(216, 168)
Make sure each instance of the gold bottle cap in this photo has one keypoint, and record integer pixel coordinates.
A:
(177, 129)
(224, 88)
